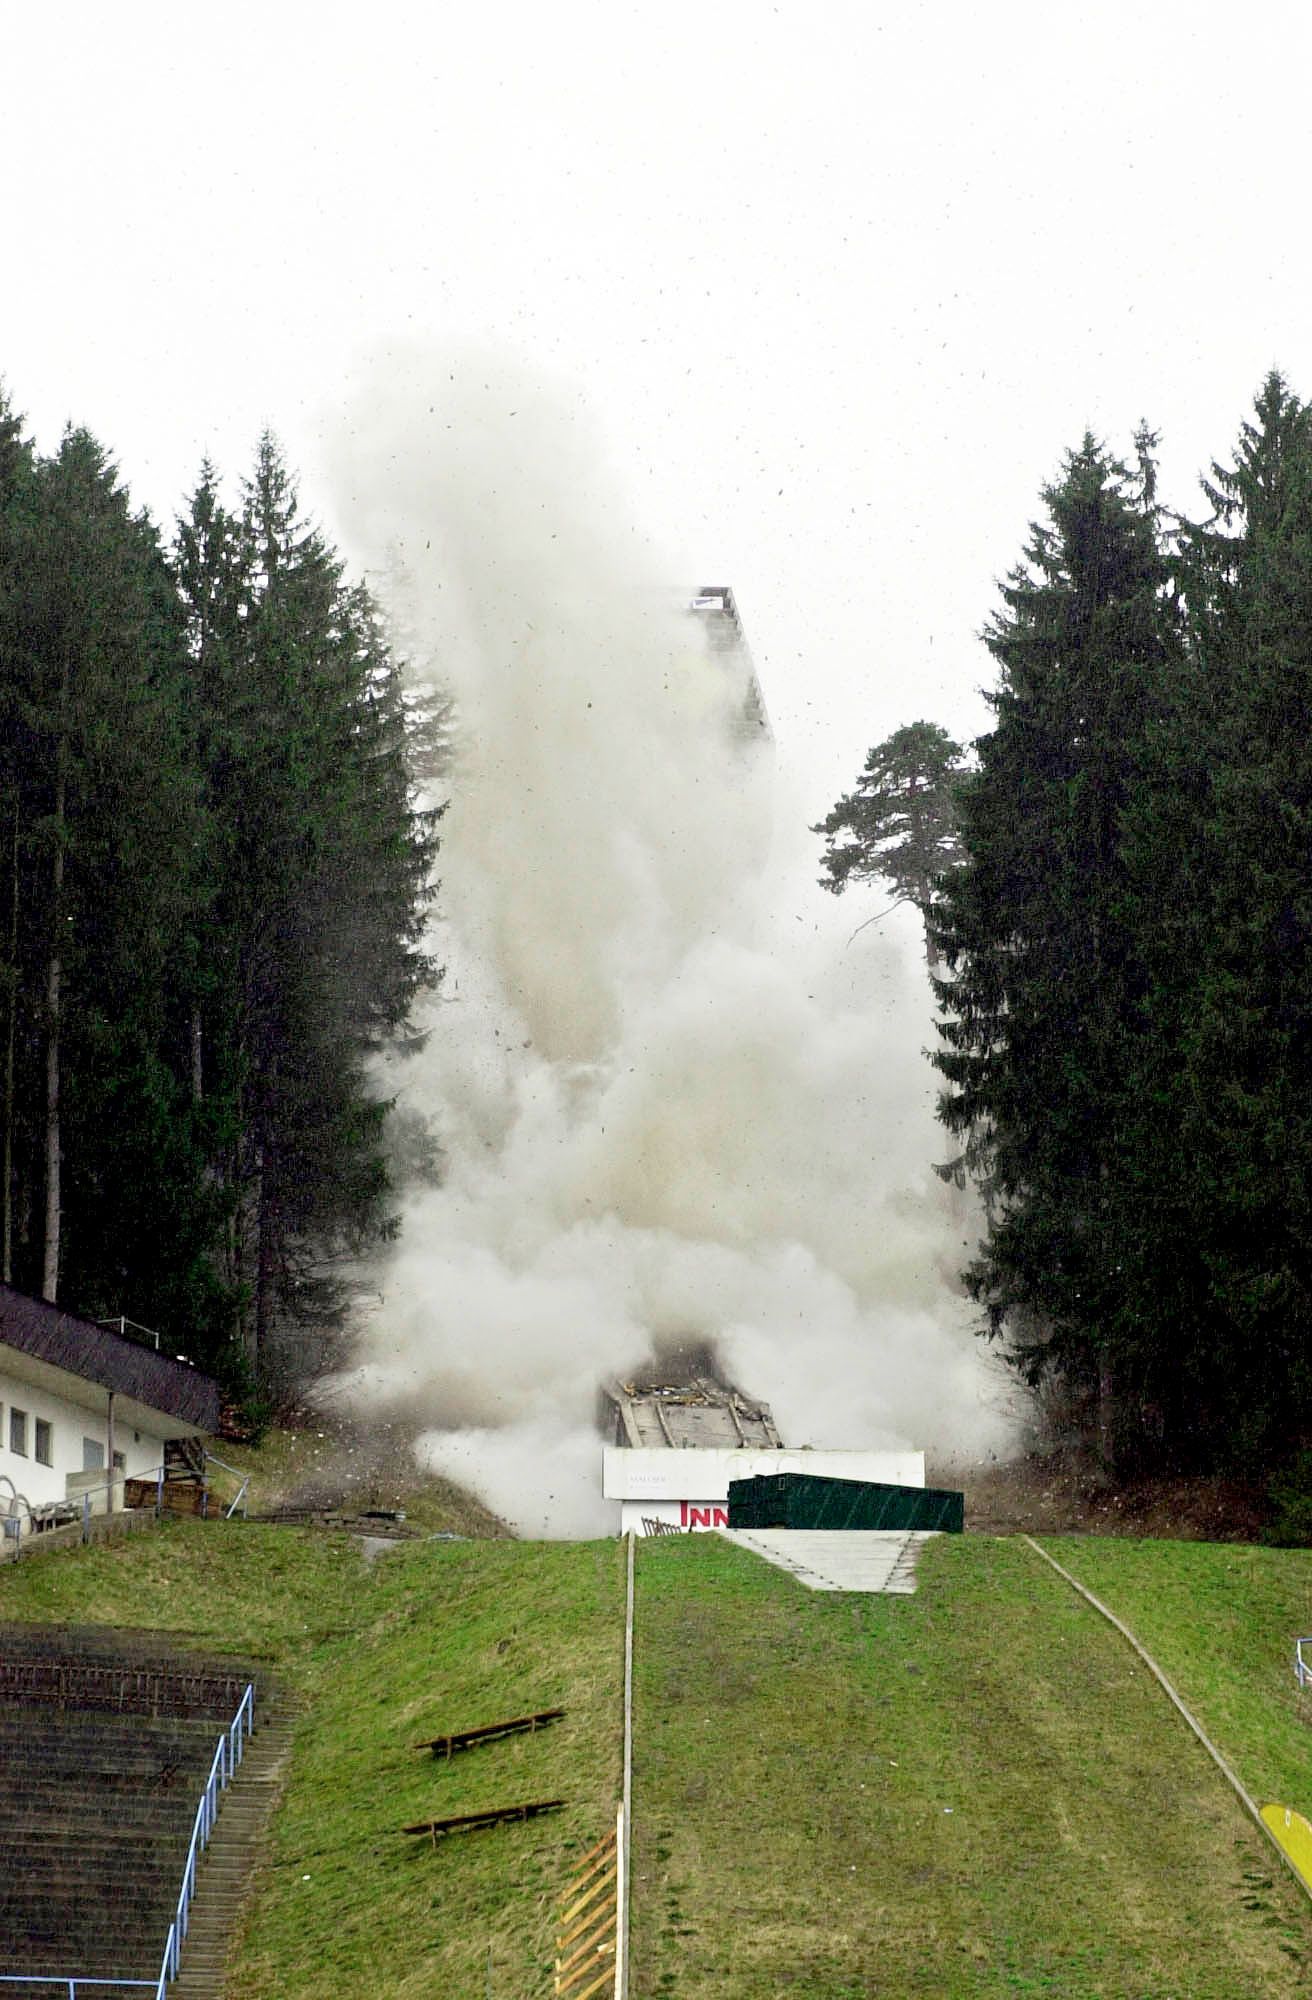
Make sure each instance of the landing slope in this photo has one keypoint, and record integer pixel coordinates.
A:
(973, 1791)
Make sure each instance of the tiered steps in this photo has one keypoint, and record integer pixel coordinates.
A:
(229, 1860)
(861, 1559)
(106, 1741)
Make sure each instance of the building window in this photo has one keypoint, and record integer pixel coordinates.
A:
(93, 1455)
(42, 1442)
(18, 1432)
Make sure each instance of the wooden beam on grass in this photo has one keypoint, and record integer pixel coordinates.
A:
(466, 1739)
(490, 1816)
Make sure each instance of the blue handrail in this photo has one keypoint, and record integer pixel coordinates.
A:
(73, 1985)
(223, 1767)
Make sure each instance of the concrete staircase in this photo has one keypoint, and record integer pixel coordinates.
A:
(106, 1740)
(860, 1559)
(234, 1848)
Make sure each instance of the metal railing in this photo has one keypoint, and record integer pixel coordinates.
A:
(41, 1516)
(1302, 1667)
(240, 1500)
(227, 1756)
(131, 1329)
(70, 1988)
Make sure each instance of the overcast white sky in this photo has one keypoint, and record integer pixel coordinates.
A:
(839, 281)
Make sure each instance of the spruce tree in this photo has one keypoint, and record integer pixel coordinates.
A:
(105, 877)
(1044, 1009)
(18, 725)
(1243, 1110)
(321, 864)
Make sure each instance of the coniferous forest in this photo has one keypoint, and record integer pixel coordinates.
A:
(213, 886)
(214, 877)
(1123, 937)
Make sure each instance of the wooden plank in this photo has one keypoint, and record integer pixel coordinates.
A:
(607, 1979)
(581, 1876)
(595, 1941)
(490, 1816)
(595, 1919)
(464, 1739)
(580, 1894)
(571, 1984)
(587, 1929)
(588, 1896)
(580, 1865)
(585, 1889)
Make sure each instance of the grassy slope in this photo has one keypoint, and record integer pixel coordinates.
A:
(798, 1755)
(1220, 1621)
(431, 1637)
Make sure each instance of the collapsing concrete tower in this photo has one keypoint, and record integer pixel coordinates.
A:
(715, 609)
(674, 1415)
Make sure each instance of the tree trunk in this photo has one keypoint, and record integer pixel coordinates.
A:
(54, 1000)
(197, 1063)
(932, 954)
(1108, 1428)
(10, 1040)
(265, 1260)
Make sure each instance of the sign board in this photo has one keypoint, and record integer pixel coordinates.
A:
(689, 1490)
(1294, 1835)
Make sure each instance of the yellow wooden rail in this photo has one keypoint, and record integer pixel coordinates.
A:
(587, 1926)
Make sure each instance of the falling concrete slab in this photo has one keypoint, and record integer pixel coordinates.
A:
(867, 1559)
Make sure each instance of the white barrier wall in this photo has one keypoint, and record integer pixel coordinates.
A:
(689, 1490)
(72, 1429)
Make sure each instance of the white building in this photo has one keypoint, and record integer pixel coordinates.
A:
(688, 1488)
(76, 1399)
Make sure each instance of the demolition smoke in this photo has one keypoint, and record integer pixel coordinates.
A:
(669, 1103)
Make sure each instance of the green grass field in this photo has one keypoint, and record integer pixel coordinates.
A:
(433, 1637)
(977, 1790)
(973, 1791)
(1220, 1621)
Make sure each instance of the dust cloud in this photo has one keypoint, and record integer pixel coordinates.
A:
(670, 1099)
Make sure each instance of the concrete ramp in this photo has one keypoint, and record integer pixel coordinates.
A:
(868, 1559)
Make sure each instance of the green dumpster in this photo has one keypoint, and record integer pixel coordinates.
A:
(804, 1500)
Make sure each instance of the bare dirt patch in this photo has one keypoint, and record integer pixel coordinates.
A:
(1063, 1493)
(328, 1464)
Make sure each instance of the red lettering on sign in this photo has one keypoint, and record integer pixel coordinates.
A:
(702, 1517)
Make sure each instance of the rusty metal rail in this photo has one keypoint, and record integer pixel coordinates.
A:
(490, 1732)
(490, 1816)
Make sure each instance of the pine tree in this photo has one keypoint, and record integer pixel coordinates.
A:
(900, 824)
(104, 870)
(321, 862)
(1043, 1021)
(1246, 1039)
(17, 507)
